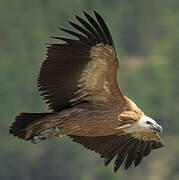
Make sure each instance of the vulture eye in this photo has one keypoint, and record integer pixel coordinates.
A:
(148, 122)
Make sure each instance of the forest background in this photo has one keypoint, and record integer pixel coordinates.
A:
(146, 35)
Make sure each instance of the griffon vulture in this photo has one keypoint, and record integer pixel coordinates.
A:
(78, 82)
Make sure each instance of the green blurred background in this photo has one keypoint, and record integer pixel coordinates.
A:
(146, 34)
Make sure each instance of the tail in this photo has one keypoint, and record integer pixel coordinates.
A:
(22, 121)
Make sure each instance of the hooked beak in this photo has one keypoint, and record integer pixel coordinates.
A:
(158, 128)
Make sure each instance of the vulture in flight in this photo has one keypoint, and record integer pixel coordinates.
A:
(78, 81)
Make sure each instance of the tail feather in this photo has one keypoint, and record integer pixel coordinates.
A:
(22, 121)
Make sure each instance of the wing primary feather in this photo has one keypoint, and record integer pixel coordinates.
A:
(79, 36)
(156, 145)
(68, 40)
(104, 28)
(107, 148)
(148, 148)
(122, 154)
(111, 151)
(112, 155)
(97, 27)
(107, 161)
(88, 27)
(84, 31)
(132, 154)
(140, 154)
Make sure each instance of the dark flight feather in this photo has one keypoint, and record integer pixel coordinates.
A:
(140, 153)
(74, 59)
(105, 29)
(124, 146)
(97, 28)
(89, 28)
(84, 31)
(78, 81)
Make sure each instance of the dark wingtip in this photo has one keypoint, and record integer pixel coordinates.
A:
(107, 161)
(62, 29)
(70, 22)
(86, 14)
(96, 13)
(76, 16)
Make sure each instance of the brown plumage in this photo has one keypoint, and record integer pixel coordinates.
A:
(78, 81)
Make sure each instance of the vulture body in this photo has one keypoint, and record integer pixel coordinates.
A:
(78, 81)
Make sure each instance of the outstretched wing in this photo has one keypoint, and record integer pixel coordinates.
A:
(128, 148)
(82, 69)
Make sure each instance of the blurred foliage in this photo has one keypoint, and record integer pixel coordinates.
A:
(146, 34)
